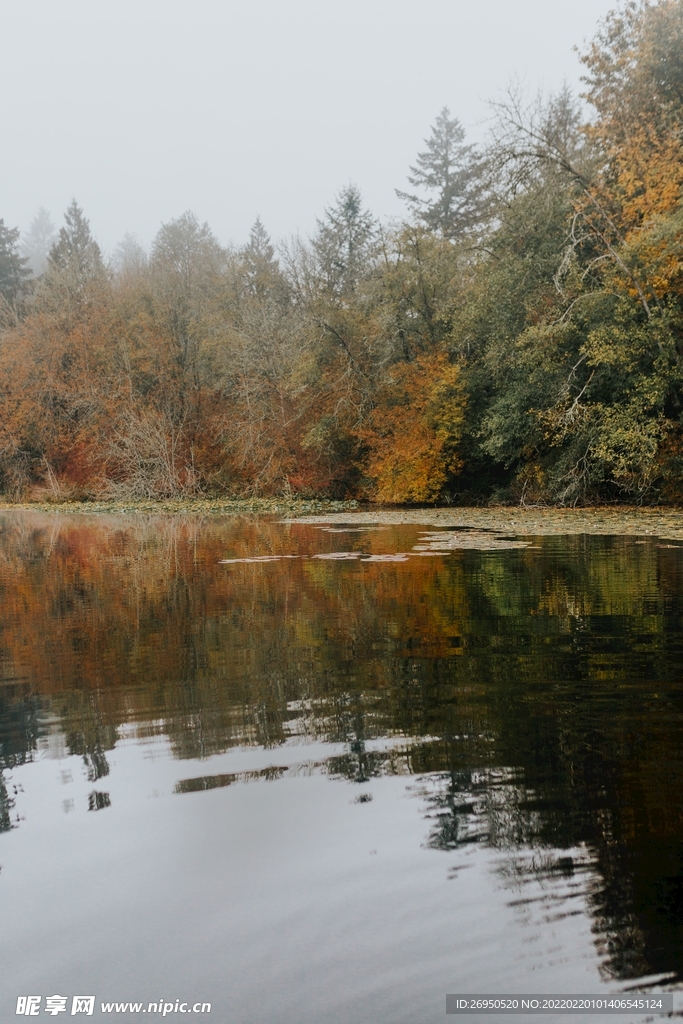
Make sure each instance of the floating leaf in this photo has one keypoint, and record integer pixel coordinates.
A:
(478, 540)
(400, 557)
(257, 558)
(339, 555)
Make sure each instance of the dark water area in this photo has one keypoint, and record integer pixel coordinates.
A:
(326, 788)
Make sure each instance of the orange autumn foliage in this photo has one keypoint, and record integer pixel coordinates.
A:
(414, 429)
(635, 79)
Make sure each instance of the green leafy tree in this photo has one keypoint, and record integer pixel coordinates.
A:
(186, 265)
(188, 252)
(130, 259)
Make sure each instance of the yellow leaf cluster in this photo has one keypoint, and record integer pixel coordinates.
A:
(414, 429)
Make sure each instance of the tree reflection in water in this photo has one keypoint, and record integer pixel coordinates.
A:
(534, 694)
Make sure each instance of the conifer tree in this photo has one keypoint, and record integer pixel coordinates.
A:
(260, 267)
(75, 250)
(449, 171)
(13, 270)
(37, 242)
(343, 242)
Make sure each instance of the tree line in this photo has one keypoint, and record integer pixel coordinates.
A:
(518, 337)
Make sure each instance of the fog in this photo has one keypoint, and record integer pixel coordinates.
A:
(144, 109)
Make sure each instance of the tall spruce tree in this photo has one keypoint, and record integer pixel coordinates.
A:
(343, 241)
(13, 269)
(449, 171)
(37, 242)
(75, 250)
(259, 265)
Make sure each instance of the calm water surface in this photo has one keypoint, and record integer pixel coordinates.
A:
(333, 789)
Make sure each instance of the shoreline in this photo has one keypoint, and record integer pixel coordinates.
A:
(513, 520)
(186, 506)
(663, 521)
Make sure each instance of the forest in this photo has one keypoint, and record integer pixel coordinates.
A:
(518, 337)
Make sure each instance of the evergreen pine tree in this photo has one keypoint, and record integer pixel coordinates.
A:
(75, 250)
(35, 245)
(343, 242)
(13, 269)
(260, 267)
(450, 172)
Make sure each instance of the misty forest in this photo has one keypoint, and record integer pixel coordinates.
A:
(517, 338)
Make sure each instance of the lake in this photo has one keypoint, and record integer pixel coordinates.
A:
(330, 770)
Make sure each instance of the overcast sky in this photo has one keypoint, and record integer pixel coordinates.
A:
(142, 109)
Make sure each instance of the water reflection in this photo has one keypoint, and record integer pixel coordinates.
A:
(533, 693)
